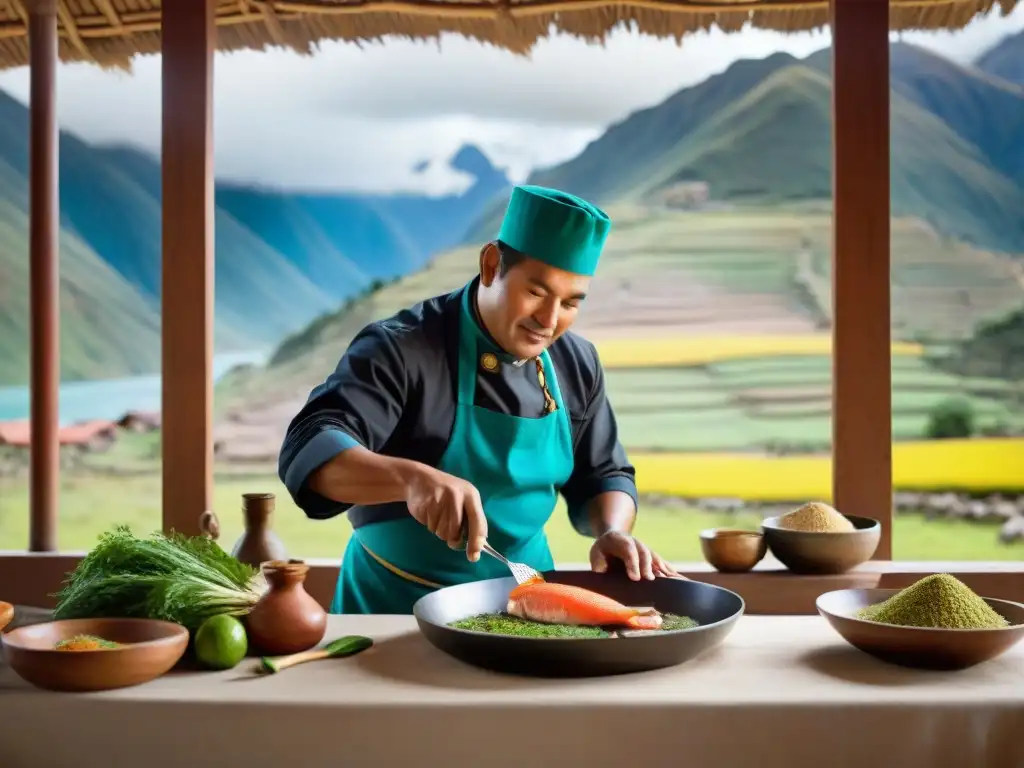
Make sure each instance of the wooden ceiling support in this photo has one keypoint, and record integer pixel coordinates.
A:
(187, 306)
(861, 346)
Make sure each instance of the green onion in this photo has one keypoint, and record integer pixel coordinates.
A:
(174, 578)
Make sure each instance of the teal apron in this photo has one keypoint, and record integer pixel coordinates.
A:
(517, 464)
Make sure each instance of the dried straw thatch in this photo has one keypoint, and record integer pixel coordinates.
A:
(110, 32)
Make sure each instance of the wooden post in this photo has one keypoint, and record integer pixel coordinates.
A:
(188, 32)
(861, 369)
(44, 207)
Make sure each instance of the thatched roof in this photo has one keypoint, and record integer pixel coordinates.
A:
(111, 32)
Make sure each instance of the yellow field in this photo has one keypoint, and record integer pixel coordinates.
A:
(652, 352)
(980, 465)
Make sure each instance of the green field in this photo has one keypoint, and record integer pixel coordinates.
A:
(744, 404)
(91, 504)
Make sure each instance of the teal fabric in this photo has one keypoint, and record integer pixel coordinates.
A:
(562, 230)
(518, 465)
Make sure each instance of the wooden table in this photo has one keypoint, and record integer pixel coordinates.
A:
(781, 691)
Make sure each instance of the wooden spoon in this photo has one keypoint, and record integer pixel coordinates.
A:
(343, 646)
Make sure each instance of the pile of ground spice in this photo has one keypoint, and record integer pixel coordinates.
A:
(815, 517)
(85, 643)
(503, 624)
(939, 602)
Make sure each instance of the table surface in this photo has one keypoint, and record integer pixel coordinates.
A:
(766, 659)
(779, 692)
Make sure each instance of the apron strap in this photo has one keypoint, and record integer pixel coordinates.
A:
(399, 572)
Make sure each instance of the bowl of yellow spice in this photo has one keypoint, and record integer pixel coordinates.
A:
(815, 538)
(936, 623)
(94, 654)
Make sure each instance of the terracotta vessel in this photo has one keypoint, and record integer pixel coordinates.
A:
(148, 650)
(258, 543)
(287, 619)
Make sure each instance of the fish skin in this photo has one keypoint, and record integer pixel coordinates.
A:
(564, 604)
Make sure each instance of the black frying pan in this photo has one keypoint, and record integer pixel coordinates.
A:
(715, 609)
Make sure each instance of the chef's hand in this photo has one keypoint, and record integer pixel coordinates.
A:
(446, 505)
(640, 560)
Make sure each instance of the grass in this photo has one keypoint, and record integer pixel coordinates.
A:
(746, 404)
(90, 505)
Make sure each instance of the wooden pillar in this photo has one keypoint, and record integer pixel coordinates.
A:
(44, 216)
(861, 370)
(188, 268)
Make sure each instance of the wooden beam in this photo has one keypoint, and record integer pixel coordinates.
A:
(188, 263)
(32, 580)
(861, 370)
(44, 214)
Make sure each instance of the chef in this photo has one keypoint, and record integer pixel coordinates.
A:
(458, 421)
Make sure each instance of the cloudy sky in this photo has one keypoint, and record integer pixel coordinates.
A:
(361, 118)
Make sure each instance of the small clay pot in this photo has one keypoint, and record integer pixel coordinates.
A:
(258, 542)
(287, 619)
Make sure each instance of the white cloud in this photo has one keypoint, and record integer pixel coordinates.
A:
(362, 117)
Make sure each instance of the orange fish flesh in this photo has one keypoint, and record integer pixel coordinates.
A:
(564, 604)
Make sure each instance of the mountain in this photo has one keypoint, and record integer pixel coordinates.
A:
(1005, 60)
(985, 111)
(344, 242)
(282, 259)
(760, 132)
(105, 324)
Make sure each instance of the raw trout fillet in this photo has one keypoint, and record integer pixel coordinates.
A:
(563, 604)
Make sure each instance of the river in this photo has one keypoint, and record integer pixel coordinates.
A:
(110, 398)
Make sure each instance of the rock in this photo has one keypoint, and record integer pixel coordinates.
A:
(977, 510)
(1012, 530)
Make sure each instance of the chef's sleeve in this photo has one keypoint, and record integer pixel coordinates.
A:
(601, 464)
(360, 403)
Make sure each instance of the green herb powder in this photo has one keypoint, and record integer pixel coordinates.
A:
(503, 624)
(939, 602)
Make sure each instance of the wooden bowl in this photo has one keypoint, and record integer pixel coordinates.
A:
(730, 550)
(821, 553)
(150, 649)
(919, 647)
(6, 614)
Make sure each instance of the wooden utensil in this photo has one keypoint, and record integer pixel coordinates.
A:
(823, 552)
(343, 646)
(732, 551)
(147, 649)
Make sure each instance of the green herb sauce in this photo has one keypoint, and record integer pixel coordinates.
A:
(503, 624)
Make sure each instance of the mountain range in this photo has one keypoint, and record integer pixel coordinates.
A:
(761, 132)
(282, 258)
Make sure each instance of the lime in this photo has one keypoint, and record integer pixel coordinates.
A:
(221, 642)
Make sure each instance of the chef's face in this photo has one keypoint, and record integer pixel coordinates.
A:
(526, 304)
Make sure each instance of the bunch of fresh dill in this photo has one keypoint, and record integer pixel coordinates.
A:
(175, 578)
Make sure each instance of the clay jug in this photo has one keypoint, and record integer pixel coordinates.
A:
(258, 542)
(287, 619)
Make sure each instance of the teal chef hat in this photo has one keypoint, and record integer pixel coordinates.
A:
(562, 230)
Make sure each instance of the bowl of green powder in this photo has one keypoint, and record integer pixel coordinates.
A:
(936, 623)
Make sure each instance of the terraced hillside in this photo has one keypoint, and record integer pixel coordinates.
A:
(713, 330)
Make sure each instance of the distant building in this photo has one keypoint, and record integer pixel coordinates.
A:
(685, 195)
(95, 436)
(140, 421)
